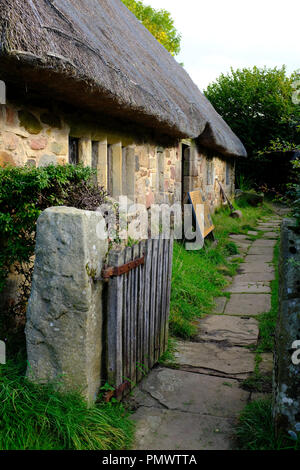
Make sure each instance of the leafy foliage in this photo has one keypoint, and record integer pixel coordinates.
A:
(158, 22)
(257, 104)
(24, 194)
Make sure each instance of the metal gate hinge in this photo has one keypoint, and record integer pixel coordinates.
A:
(120, 270)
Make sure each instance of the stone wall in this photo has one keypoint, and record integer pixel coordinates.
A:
(146, 171)
(32, 137)
(201, 171)
(286, 386)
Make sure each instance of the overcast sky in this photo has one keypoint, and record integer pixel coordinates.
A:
(218, 34)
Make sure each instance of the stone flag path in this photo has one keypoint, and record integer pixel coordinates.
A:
(195, 406)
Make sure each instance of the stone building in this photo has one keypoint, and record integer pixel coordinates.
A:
(86, 82)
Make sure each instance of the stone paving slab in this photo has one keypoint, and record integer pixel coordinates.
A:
(179, 390)
(248, 304)
(233, 331)
(158, 429)
(238, 237)
(255, 267)
(215, 359)
(261, 258)
(269, 224)
(261, 250)
(243, 247)
(262, 242)
(253, 232)
(220, 303)
(271, 235)
(253, 277)
(258, 287)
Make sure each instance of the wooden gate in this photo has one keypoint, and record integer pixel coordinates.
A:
(138, 304)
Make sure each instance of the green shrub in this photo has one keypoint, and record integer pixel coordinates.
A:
(24, 193)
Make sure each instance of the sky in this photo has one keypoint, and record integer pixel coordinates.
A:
(219, 34)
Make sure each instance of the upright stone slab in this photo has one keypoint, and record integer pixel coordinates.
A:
(286, 399)
(64, 316)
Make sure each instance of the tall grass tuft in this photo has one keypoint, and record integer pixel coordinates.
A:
(37, 417)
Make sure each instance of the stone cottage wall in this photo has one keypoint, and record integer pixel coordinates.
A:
(201, 171)
(146, 172)
(38, 137)
(32, 137)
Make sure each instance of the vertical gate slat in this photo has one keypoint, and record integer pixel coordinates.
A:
(169, 283)
(140, 315)
(114, 324)
(158, 300)
(126, 316)
(134, 312)
(155, 244)
(147, 305)
(165, 265)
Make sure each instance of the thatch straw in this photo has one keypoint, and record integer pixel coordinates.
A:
(96, 54)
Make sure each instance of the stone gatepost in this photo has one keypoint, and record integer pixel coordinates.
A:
(64, 316)
(286, 400)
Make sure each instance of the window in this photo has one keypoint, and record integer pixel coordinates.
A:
(209, 172)
(73, 151)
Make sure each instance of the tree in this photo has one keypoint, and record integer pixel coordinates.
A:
(158, 22)
(258, 105)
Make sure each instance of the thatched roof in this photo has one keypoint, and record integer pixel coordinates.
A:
(97, 55)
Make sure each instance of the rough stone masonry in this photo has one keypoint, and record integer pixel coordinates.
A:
(64, 317)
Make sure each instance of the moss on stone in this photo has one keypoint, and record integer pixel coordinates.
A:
(29, 122)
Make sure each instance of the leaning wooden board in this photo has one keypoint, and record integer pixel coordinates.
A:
(198, 202)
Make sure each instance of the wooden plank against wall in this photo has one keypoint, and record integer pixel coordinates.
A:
(115, 323)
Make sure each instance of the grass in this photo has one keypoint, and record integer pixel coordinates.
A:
(255, 430)
(267, 321)
(199, 277)
(40, 418)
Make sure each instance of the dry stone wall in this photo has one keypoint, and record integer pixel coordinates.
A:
(286, 399)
